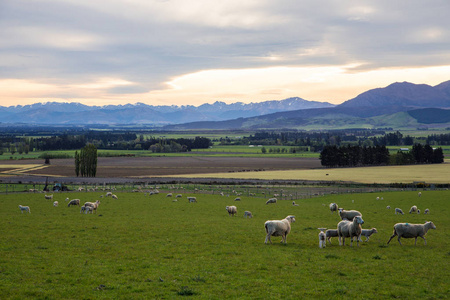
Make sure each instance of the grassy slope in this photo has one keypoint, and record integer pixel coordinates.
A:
(151, 247)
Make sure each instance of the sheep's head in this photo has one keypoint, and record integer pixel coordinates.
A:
(359, 220)
(374, 230)
(432, 226)
(291, 218)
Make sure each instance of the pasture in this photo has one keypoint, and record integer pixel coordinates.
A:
(140, 247)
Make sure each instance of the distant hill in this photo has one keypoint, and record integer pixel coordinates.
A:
(76, 113)
(404, 94)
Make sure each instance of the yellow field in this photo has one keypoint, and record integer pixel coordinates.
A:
(13, 169)
(437, 173)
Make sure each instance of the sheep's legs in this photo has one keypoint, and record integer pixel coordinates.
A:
(267, 239)
(393, 237)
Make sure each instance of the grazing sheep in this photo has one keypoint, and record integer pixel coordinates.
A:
(378, 198)
(426, 211)
(271, 200)
(294, 204)
(24, 208)
(407, 231)
(420, 194)
(278, 228)
(237, 199)
(114, 196)
(55, 203)
(74, 202)
(333, 207)
(169, 195)
(93, 205)
(322, 238)
(192, 199)
(350, 229)
(248, 214)
(388, 207)
(367, 233)
(178, 196)
(398, 210)
(413, 209)
(67, 199)
(109, 194)
(331, 233)
(418, 211)
(48, 197)
(348, 214)
(232, 210)
(86, 209)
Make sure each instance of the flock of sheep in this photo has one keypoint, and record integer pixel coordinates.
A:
(348, 227)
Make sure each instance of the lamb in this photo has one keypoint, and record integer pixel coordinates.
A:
(86, 209)
(407, 231)
(48, 197)
(109, 194)
(178, 196)
(348, 214)
(398, 210)
(388, 207)
(114, 196)
(322, 240)
(294, 204)
(192, 199)
(169, 195)
(331, 233)
(55, 203)
(413, 209)
(74, 202)
(24, 208)
(420, 194)
(232, 210)
(248, 214)
(237, 199)
(426, 211)
(367, 233)
(278, 228)
(333, 207)
(67, 199)
(271, 200)
(350, 229)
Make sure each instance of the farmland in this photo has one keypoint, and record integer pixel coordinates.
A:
(142, 246)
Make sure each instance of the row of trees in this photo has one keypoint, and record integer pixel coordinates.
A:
(86, 161)
(351, 156)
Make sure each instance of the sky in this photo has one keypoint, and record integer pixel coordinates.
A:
(190, 52)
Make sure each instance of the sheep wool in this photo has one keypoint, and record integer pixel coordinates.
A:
(278, 228)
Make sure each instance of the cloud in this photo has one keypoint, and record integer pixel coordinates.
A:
(148, 44)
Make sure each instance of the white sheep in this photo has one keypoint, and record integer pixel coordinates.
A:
(74, 202)
(271, 200)
(426, 211)
(331, 233)
(86, 209)
(178, 196)
(350, 229)
(294, 204)
(192, 199)
(232, 210)
(93, 205)
(169, 195)
(333, 207)
(413, 209)
(114, 196)
(398, 210)
(420, 194)
(322, 238)
(248, 214)
(388, 207)
(48, 197)
(237, 199)
(348, 214)
(109, 194)
(24, 208)
(406, 230)
(55, 203)
(367, 233)
(278, 228)
(67, 199)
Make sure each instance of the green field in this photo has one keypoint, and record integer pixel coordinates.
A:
(148, 247)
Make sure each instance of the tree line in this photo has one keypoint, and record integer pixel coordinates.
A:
(352, 156)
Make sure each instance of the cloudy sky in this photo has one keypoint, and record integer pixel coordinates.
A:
(179, 52)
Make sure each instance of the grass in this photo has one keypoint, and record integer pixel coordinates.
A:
(142, 247)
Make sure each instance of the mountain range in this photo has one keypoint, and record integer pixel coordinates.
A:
(399, 105)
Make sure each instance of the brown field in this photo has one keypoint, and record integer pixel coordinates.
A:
(113, 167)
